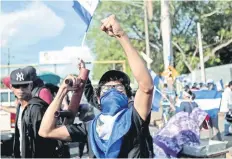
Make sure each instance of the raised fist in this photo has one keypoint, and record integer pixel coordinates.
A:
(111, 26)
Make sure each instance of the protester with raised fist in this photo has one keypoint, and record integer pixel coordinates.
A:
(122, 128)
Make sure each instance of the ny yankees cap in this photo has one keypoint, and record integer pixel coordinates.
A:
(20, 77)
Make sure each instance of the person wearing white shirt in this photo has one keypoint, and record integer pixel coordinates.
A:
(226, 104)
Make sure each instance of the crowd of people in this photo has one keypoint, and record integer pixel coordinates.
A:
(120, 130)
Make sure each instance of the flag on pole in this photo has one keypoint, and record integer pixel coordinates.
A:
(157, 95)
(85, 9)
(220, 85)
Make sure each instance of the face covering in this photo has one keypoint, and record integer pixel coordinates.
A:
(115, 104)
(113, 101)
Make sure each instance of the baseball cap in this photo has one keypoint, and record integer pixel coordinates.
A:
(114, 73)
(20, 77)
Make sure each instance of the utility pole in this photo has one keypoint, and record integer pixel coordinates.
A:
(166, 34)
(146, 32)
(8, 63)
(201, 53)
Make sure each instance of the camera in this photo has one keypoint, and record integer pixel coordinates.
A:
(70, 82)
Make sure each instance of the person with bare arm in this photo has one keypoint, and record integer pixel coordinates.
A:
(121, 130)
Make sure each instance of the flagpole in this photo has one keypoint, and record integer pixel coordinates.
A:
(83, 40)
(82, 45)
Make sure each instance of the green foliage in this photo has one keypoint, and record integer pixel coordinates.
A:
(215, 18)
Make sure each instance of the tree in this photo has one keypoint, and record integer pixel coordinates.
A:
(166, 31)
(215, 18)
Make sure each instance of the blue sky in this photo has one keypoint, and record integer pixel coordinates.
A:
(29, 27)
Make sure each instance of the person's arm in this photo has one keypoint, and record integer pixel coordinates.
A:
(48, 127)
(9, 109)
(89, 94)
(143, 97)
(88, 90)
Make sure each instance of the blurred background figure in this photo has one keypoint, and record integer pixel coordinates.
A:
(188, 104)
(226, 105)
(210, 84)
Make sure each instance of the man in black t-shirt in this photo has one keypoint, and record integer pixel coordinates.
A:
(122, 128)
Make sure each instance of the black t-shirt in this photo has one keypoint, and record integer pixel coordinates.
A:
(137, 143)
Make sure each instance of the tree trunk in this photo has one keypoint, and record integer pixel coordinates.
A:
(166, 34)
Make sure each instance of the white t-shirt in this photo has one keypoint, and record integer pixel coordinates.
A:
(19, 124)
(226, 102)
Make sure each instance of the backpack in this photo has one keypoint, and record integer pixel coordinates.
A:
(51, 87)
(61, 148)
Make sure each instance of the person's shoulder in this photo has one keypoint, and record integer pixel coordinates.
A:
(195, 103)
(37, 103)
(136, 117)
(228, 90)
(184, 103)
(78, 131)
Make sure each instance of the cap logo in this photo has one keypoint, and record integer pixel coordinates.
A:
(19, 76)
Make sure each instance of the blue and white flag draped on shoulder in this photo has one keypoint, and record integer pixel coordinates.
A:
(85, 9)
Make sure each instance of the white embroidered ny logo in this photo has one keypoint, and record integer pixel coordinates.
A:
(19, 76)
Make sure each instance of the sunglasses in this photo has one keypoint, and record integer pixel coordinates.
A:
(119, 87)
(21, 85)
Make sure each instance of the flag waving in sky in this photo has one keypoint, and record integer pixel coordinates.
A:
(85, 9)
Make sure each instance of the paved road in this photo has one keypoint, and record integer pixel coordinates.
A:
(153, 130)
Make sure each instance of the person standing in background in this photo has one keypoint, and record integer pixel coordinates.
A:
(226, 105)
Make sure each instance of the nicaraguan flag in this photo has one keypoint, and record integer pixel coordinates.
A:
(207, 100)
(157, 96)
(220, 85)
(85, 9)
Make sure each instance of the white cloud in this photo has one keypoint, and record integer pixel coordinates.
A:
(36, 22)
(68, 54)
(67, 57)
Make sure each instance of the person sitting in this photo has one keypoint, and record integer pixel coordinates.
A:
(182, 129)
